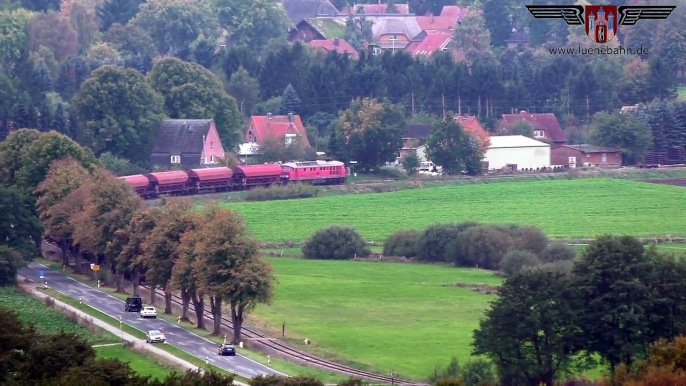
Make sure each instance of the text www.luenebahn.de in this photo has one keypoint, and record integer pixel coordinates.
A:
(599, 51)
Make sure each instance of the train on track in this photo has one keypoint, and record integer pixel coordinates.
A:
(224, 179)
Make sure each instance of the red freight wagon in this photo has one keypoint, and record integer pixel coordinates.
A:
(139, 183)
(210, 178)
(251, 175)
(173, 182)
(315, 172)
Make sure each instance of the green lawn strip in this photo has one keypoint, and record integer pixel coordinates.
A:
(583, 208)
(139, 362)
(134, 331)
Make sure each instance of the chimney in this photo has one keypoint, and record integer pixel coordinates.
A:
(336, 41)
(290, 117)
(432, 18)
(269, 116)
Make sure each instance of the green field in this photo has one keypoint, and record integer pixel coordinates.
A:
(566, 208)
(379, 316)
(140, 363)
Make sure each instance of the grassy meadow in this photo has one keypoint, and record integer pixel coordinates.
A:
(405, 318)
(563, 208)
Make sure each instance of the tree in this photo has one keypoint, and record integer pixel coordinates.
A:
(454, 149)
(471, 37)
(130, 40)
(19, 225)
(402, 243)
(529, 328)
(411, 162)
(111, 371)
(184, 276)
(245, 89)
(480, 246)
(129, 242)
(335, 243)
(38, 156)
(15, 339)
(119, 166)
(118, 112)
(52, 355)
(372, 132)
(11, 150)
(251, 24)
(498, 21)
(175, 24)
(117, 11)
(161, 246)
(521, 128)
(15, 34)
(622, 131)
(193, 92)
(63, 212)
(64, 176)
(53, 30)
(289, 100)
(557, 252)
(84, 19)
(516, 260)
(110, 207)
(10, 261)
(228, 267)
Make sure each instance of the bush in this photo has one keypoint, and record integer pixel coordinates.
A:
(9, 266)
(530, 239)
(514, 261)
(335, 243)
(281, 192)
(483, 246)
(385, 172)
(432, 244)
(557, 252)
(402, 243)
(478, 372)
(561, 267)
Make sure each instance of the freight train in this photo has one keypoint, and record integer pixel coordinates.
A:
(224, 179)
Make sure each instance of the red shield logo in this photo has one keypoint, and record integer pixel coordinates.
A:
(601, 22)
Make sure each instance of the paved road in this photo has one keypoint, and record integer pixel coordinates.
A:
(176, 336)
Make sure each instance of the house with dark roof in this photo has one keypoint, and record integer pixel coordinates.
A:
(546, 126)
(283, 127)
(186, 143)
(415, 136)
(375, 9)
(298, 10)
(585, 155)
(322, 28)
(339, 45)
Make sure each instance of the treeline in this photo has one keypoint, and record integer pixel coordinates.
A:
(59, 191)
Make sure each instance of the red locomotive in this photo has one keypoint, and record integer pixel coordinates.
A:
(223, 179)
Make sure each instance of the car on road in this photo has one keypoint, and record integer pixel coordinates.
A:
(226, 349)
(154, 336)
(133, 304)
(148, 312)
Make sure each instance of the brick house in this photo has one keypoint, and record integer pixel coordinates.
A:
(471, 124)
(339, 45)
(282, 127)
(580, 155)
(546, 126)
(186, 143)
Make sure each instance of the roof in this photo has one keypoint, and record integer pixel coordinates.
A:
(171, 177)
(433, 42)
(454, 11)
(328, 27)
(418, 130)
(510, 141)
(297, 10)
(136, 181)
(547, 122)
(210, 174)
(277, 126)
(375, 9)
(429, 23)
(586, 148)
(265, 170)
(384, 25)
(471, 124)
(177, 136)
(338, 45)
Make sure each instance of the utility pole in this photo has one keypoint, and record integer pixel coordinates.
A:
(412, 102)
(459, 105)
(443, 99)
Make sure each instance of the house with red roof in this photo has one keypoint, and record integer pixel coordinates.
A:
(282, 127)
(432, 43)
(375, 9)
(339, 45)
(546, 126)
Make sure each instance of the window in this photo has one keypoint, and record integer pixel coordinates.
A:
(539, 133)
(604, 155)
(211, 144)
(393, 37)
(176, 159)
(211, 158)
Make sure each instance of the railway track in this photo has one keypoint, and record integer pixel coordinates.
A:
(294, 353)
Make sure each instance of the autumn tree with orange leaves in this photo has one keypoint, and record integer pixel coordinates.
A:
(129, 242)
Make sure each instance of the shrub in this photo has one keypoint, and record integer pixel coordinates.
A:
(528, 238)
(402, 243)
(515, 260)
(432, 244)
(385, 172)
(9, 265)
(557, 252)
(478, 372)
(561, 267)
(281, 192)
(335, 243)
(481, 245)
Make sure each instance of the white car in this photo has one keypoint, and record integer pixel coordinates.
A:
(148, 312)
(154, 336)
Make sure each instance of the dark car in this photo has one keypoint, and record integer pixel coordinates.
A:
(226, 349)
(133, 304)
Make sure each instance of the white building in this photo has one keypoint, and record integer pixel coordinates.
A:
(517, 152)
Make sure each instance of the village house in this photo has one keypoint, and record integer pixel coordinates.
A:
(585, 155)
(298, 10)
(415, 135)
(338, 45)
(186, 143)
(283, 127)
(375, 9)
(546, 126)
(516, 152)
